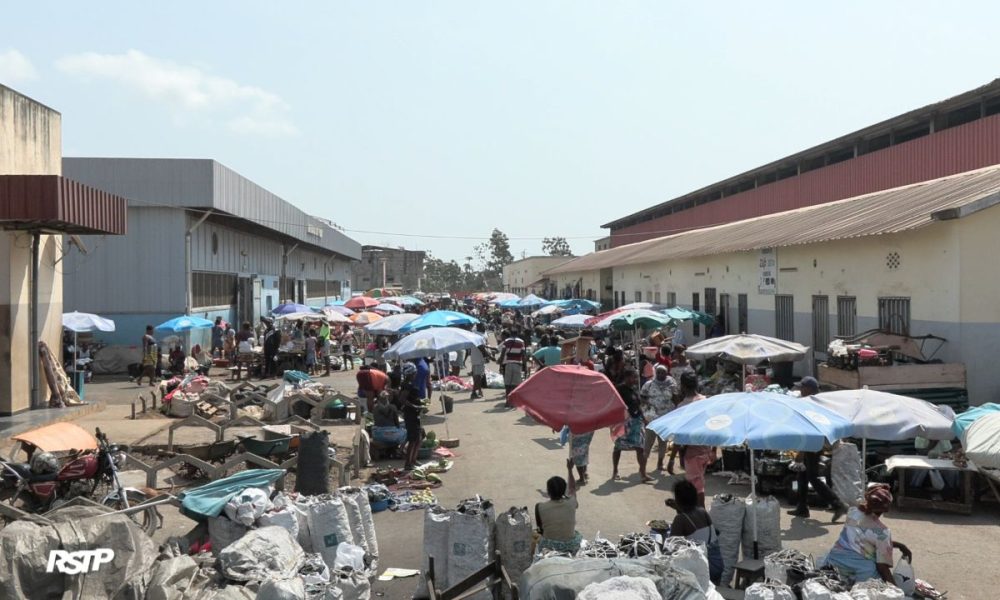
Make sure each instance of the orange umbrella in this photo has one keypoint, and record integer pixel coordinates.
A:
(361, 303)
(365, 318)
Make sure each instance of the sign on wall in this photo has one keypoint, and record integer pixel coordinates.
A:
(767, 267)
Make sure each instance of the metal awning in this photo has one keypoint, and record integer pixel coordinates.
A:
(55, 204)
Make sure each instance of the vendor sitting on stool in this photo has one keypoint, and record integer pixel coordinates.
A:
(556, 517)
(864, 549)
(386, 430)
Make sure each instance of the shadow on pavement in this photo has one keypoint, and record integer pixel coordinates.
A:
(803, 529)
(548, 443)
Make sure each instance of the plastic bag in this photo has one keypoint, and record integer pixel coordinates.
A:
(727, 515)
(633, 588)
(768, 527)
(245, 508)
(282, 589)
(262, 554)
(349, 556)
(905, 579)
(847, 473)
(876, 589)
(513, 540)
(328, 527)
(222, 532)
(769, 591)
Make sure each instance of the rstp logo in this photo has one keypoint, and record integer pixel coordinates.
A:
(81, 561)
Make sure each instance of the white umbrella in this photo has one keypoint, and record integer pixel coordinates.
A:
(390, 325)
(574, 322)
(433, 341)
(982, 441)
(83, 322)
(748, 349)
(79, 322)
(883, 416)
(637, 305)
(547, 310)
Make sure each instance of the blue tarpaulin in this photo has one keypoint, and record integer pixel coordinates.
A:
(208, 500)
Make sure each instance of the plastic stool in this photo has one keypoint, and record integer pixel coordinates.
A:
(747, 572)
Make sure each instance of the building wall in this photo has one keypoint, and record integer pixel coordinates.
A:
(586, 280)
(30, 144)
(519, 275)
(945, 269)
(954, 150)
(403, 268)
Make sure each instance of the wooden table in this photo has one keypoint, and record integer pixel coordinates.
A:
(903, 463)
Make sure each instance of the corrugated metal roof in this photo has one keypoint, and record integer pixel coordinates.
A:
(200, 184)
(903, 120)
(54, 203)
(889, 211)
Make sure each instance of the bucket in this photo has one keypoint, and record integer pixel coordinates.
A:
(448, 403)
(379, 505)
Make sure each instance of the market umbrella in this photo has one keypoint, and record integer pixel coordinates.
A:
(184, 323)
(878, 415)
(531, 301)
(439, 318)
(571, 322)
(390, 325)
(547, 310)
(341, 310)
(577, 303)
(965, 419)
(982, 441)
(759, 420)
(387, 308)
(403, 301)
(79, 322)
(747, 349)
(683, 314)
(499, 297)
(633, 320)
(291, 307)
(636, 305)
(361, 303)
(433, 342)
(573, 396)
(365, 317)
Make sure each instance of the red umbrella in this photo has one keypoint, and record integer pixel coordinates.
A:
(570, 395)
(604, 315)
(361, 303)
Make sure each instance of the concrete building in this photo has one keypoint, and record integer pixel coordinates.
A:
(525, 276)
(916, 259)
(382, 266)
(203, 240)
(602, 244)
(952, 136)
(37, 206)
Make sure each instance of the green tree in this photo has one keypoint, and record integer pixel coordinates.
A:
(442, 276)
(556, 246)
(499, 248)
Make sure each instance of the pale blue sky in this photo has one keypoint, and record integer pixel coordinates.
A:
(451, 118)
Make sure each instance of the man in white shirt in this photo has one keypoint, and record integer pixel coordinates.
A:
(478, 371)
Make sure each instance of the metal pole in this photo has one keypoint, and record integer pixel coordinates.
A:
(384, 262)
(33, 357)
(753, 505)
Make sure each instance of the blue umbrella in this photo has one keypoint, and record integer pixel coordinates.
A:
(438, 318)
(761, 420)
(433, 342)
(967, 418)
(184, 323)
(529, 301)
(576, 303)
(291, 307)
(391, 324)
(512, 303)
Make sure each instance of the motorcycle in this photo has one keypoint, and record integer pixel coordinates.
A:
(42, 484)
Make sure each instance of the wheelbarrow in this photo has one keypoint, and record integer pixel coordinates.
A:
(215, 452)
(274, 450)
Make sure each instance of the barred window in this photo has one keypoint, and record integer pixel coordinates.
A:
(315, 288)
(213, 289)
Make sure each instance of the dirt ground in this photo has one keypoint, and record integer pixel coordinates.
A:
(507, 457)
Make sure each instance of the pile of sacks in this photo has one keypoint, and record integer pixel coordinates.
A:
(733, 519)
(678, 570)
(296, 546)
(824, 588)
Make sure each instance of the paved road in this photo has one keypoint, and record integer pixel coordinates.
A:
(506, 457)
